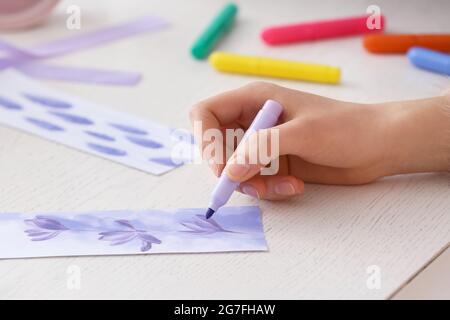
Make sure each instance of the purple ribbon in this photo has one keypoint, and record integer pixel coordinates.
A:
(24, 59)
(95, 76)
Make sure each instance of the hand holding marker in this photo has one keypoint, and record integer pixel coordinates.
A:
(228, 62)
(321, 140)
(266, 118)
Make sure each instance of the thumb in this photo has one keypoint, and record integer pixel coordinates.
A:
(257, 152)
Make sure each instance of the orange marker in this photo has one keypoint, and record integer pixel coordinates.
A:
(400, 43)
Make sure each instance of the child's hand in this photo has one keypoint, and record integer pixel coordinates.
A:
(328, 141)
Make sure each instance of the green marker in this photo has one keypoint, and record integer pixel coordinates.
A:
(216, 29)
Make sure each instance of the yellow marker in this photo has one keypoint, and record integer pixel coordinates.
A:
(235, 63)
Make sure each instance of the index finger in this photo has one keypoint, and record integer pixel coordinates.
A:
(235, 106)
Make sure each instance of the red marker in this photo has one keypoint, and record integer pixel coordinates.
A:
(308, 31)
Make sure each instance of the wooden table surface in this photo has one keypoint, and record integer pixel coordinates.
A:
(321, 245)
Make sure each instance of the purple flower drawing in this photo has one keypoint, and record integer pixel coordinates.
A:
(200, 225)
(129, 233)
(44, 228)
(119, 232)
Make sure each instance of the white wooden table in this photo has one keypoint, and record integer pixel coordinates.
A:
(320, 244)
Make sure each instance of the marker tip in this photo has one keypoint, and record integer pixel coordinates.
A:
(209, 213)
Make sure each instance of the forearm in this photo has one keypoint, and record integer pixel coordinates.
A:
(418, 136)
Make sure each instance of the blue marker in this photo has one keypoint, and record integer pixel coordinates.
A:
(431, 60)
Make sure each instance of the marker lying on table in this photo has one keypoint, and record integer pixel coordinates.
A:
(307, 31)
(260, 66)
(214, 32)
(266, 118)
(431, 60)
(400, 43)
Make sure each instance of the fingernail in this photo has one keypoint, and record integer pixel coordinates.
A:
(238, 170)
(249, 190)
(285, 189)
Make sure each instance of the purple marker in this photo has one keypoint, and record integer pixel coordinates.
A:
(267, 117)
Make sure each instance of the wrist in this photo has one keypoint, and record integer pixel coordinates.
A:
(417, 136)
